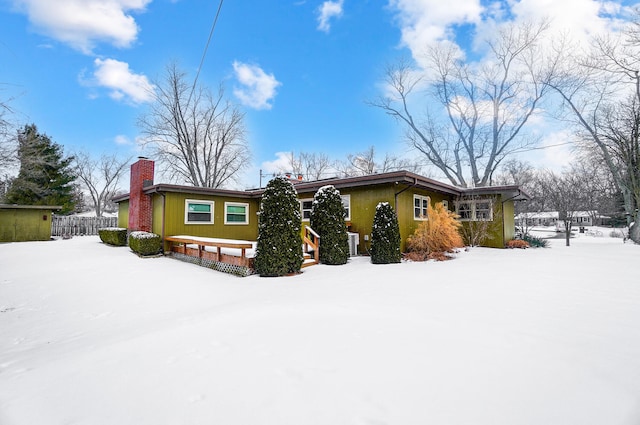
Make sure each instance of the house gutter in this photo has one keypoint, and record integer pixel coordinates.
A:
(395, 196)
(164, 203)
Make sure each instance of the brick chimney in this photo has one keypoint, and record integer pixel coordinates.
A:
(140, 212)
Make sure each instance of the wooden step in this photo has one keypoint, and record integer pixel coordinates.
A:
(308, 262)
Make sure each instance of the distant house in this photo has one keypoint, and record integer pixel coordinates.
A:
(19, 223)
(550, 218)
(170, 210)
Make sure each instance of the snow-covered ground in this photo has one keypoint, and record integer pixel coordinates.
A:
(91, 334)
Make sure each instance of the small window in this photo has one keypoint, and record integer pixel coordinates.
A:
(236, 213)
(420, 205)
(483, 210)
(445, 205)
(305, 208)
(346, 203)
(475, 210)
(198, 212)
(464, 210)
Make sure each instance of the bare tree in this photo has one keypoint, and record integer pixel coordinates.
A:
(198, 136)
(485, 106)
(565, 194)
(601, 93)
(7, 147)
(312, 166)
(366, 162)
(100, 177)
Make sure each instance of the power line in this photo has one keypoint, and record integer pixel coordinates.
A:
(206, 47)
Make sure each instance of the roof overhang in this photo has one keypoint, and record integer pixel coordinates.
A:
(30, 207)
(509, 192)
(396, 177)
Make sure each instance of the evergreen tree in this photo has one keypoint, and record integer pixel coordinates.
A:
(327, 219)
(45, 176)
(385, 236)
(279, 250)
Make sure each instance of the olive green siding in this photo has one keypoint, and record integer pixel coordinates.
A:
(19, 225)
(363, 208)
(508, 214)
(174, 217)
(502, 228)
(169, 214)
(157, 206)
(123, 214)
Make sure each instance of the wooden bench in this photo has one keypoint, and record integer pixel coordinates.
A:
(194, 246)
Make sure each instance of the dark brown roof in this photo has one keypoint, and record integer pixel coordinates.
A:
(396, 177)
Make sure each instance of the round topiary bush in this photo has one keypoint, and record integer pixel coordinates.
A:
(145, 243)
(327, 219)
(385, 236)
(279, 248)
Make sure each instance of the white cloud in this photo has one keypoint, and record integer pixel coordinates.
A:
(257, 87)
(424, 22)
(122, 140)
(327, 11)
(123, 83)
(282, 162)
(82, 23)
(578, 18)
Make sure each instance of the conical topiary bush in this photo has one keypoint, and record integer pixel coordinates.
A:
(327, 219)
(385, 236)
(279, 250)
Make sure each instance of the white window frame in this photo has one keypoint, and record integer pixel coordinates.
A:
(474, 211)
(423, 207)
(445, 205)
(236, 204)
(302, 209)
(346, 203)
(212, 204)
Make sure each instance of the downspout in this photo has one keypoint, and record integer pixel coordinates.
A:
(164, 202)
(395, 196)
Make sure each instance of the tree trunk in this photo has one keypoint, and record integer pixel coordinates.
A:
(634, 230)
(567, 233)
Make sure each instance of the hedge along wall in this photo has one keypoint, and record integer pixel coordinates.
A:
(363, 208)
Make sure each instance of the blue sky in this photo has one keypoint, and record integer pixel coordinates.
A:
(303, 70)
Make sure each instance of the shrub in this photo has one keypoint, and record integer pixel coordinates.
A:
(617, 233)
(517, 243)
(145, 243)
(116, 236)
(279, 248)
(535, 241)
(385, 236)
(327, 219)
(437, 235)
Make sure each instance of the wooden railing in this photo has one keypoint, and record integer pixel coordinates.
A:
(311, 242)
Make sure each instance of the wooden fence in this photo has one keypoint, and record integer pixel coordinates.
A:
(78, 226)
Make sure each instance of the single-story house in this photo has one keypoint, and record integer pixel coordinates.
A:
(551, 218)
(19, 223)
(170, 210)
